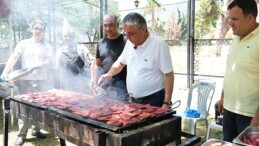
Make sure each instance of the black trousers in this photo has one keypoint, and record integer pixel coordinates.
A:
(155, 99)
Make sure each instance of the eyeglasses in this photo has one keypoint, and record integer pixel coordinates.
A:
(39, 29)
(131, 34)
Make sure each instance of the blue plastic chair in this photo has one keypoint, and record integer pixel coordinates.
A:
(204, 92)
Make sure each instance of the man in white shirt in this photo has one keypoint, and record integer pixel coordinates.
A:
(150, 76)
(34, 52)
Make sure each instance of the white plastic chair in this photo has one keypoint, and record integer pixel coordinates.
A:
(204, 93)
(213, 125)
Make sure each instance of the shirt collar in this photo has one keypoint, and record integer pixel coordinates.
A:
(144, 45)
(253, 33)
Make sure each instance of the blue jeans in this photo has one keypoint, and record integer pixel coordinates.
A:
(234, 124)
(155, 99)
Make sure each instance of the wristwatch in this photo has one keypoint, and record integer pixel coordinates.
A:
(168, 103)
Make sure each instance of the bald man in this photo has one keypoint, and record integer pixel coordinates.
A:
(108, 50)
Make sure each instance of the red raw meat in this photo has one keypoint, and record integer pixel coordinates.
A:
(116, 108)
(127, 115)
(115, 123)
(247, 141)
(144, 115)
(115, 117)
(129, 108)
(104, 118)
(254, 143)
(95, 115)
(124, 116)
(77, 113)
(85, 113)
(74, 108)
(137, 112)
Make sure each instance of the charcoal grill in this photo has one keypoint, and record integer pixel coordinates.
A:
(159, 130)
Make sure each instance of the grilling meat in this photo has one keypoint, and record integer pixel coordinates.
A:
(104, 109)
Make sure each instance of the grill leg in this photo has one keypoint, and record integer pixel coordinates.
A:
(100, 138)
(5, 136)
(62, 142)
(6, 108)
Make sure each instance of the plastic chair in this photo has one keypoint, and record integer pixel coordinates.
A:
(204, 93)
(213, 125)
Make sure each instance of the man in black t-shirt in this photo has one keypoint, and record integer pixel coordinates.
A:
(108, 50)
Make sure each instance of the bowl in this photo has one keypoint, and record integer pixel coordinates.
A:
(247, 136)
(216, 142)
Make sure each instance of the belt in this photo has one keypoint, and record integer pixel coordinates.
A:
(141, 99)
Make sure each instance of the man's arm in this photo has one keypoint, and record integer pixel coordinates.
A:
(255, 120)
(220, 105)
(97, 63)
(10, 63)
(169, 85)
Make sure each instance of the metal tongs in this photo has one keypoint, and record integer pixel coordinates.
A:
(97, 88)
(173, 104)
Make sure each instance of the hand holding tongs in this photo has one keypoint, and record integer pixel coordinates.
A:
(97, 87)
(101, 80)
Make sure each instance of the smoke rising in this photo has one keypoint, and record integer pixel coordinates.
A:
(83, 19)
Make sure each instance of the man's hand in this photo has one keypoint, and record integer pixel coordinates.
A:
(104, 78)
(4, 77)
(166, 106)
(220, 107)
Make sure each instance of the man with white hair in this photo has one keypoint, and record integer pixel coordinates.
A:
(150, 75)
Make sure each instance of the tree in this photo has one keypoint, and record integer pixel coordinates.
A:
(206, 17)
(157, 25)
(173, 27)
(182, 21)
(222, 27)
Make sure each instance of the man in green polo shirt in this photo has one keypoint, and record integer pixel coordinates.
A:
(240, 95)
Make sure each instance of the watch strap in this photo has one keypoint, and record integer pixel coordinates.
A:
(167, 103)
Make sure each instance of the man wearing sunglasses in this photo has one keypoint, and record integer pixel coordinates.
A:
(150, 76)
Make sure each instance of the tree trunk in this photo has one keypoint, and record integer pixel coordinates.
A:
(222, 27)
